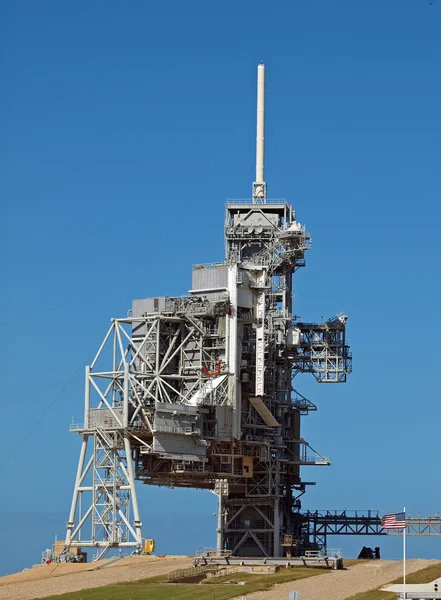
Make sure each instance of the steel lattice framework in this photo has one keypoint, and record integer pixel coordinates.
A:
(321, 524)
(199, 391)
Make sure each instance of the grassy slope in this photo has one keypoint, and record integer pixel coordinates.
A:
(424, 576)
(155, 589)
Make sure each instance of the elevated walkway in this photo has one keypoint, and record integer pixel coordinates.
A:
(368, 522)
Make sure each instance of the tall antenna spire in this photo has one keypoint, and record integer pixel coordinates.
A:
(259, 186)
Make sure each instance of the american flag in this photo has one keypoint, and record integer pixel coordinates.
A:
(396, 521)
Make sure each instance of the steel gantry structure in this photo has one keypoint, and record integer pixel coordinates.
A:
(321, 524)
(200, 391)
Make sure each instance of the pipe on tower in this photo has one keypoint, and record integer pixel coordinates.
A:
(259, 186)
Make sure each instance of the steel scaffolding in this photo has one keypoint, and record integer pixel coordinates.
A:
(199, 391)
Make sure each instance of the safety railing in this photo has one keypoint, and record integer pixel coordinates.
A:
(251, 201)
(177, 430)
(76, 426)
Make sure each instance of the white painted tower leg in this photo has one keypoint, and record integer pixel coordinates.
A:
(134, 498)
(220, 531)
(78, 479)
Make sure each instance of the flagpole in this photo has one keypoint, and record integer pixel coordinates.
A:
(404, 555)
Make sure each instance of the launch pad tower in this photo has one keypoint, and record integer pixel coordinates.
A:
(199, 391)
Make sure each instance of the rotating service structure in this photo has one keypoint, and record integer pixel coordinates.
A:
(199, 391)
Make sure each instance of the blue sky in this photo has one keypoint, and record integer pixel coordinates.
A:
(125, 126)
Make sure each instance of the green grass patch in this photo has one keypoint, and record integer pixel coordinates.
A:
(350, 562)
(374, 595)
(424, 576)
(155, 588)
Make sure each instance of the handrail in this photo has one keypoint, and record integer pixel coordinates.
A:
(251, 201)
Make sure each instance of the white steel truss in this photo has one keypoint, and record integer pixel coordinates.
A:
(119, 419)
(197, 391)
(104, 511)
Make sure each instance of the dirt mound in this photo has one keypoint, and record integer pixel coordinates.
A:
(53, 579)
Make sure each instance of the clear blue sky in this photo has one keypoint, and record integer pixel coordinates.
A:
(125, 126)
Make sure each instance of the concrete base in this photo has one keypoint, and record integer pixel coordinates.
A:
(326, 562)
(419, 591)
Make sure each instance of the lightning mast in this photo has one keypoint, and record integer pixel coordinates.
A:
(200, 391)
(259, 186)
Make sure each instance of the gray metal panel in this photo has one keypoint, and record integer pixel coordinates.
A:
(175, 424)
(177, 419)
(245, 298)
(209, 277)
(149, 305)
(142, 306)
(224, 420)
(179, 447)
(103, 418)
(244, 278)
(257, 219)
